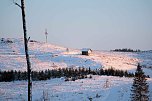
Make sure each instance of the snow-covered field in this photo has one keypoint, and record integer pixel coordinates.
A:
(98, 88)
(43, 56)
(47, 56)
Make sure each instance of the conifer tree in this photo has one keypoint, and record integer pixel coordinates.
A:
(140, 87)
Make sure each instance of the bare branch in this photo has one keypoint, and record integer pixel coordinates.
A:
(17, 4)
(28, 39)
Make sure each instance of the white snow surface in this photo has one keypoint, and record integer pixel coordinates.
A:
(42, 56)
(48, 56)
(117, 89)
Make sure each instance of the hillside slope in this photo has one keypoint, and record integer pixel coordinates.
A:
(47, 56)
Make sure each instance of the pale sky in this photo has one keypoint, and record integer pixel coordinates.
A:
(96, 24)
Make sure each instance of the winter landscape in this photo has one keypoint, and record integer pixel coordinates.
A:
(47, 56)
(75, 50)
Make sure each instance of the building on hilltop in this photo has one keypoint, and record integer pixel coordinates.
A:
(86, 51)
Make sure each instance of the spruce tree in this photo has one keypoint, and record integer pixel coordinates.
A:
(140, 87)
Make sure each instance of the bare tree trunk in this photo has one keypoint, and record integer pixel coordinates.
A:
(26, 53)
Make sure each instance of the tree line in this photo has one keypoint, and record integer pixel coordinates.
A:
(126, 50)
(76, 73)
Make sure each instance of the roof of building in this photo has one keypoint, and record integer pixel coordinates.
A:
(86, 49)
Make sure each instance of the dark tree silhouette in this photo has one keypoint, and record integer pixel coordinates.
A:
(140, 87)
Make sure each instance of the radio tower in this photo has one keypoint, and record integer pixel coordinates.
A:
(46, 34)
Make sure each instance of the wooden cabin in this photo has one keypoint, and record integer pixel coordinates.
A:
(86, 51)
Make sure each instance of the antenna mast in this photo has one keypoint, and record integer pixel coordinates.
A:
(46, 34)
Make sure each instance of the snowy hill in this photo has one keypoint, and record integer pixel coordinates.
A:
(47, 56)
(43, 56)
